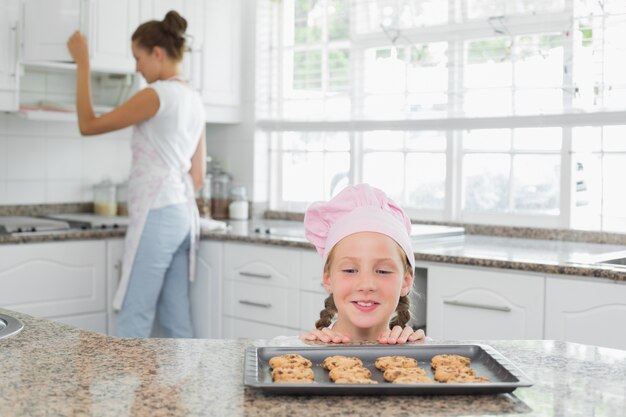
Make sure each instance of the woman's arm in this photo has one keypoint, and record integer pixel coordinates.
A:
(138, 108)
(198, 163)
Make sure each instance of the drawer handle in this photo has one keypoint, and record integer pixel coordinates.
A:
(477, 305)
(254, 275)
(255, 304)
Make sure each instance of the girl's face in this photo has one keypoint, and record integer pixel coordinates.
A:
(366, 277)
(148, 62)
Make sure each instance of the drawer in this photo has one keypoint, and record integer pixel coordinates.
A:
(262, 265)
(311, 272)
(235, 328)
(311, 303)
(272, 305)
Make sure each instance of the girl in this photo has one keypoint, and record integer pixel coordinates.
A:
(363, 238)
(168, 163)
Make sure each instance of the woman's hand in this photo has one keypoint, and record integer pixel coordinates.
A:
(399, 336)
(325, 335)
(79, 49)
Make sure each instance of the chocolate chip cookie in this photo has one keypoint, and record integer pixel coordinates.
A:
(332, 362)
(290, 360)
(386, 362)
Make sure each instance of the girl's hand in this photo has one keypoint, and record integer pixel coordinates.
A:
(326, 335)
(399, 336)
(79, 49)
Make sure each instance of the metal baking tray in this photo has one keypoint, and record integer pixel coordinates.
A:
(486, 361)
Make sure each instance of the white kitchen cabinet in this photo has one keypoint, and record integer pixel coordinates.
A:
(586, 311)
(261, 286)
(107, 24)
(221, 61)
(206, 291)
(192, 11)
(479, 303)
(9, 49)
(312, 292)
(236, 328)
(114, 258)
(57, 280)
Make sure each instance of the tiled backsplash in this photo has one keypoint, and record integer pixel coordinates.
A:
(50, 162)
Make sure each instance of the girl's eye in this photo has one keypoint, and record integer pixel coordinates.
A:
(383, 271)
(349, 270)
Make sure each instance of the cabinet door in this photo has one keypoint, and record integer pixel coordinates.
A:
(474, 303)
(47, 26)
(111, 24)
(312, 292)
(53, 279)
(206, 291)
(193, 12)
(586, 311)
(221, 60)
(115, 255)
(96, 322)
(236, 328)
(262, 264)
(9, 80)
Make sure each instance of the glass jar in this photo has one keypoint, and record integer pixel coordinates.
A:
(220, 185)
(203, 197)
(104, 202)
(238, 207)
(121, 196)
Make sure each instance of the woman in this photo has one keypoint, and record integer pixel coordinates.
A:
(168, 165)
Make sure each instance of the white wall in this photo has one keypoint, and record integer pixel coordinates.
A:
(49, 162)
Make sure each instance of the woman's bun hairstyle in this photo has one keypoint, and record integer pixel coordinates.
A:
(168, 34)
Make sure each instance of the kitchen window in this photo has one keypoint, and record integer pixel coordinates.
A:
(490, 111)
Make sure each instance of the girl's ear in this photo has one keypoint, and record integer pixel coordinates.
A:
(326, 282)
(159, 53)
(407, 284)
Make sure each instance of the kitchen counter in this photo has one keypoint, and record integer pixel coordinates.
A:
(51, 369)
(531, 255)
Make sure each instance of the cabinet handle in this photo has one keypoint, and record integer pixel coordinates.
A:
(255, 304)
(477, 305)
(16, 45)
(254, 275)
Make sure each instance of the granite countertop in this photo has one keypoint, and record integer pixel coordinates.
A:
(523, 254)
(51, 369)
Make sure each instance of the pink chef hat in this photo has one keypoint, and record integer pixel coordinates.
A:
(357, 208)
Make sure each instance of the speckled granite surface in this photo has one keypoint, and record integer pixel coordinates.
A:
(531, 255)
(51, 369)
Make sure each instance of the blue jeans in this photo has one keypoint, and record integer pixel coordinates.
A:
(159, 280)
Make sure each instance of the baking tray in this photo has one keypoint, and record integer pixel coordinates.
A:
(486, 361)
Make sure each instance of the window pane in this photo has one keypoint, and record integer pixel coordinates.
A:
(614, 138)
(307, 70)
(385, 170)
(308, 21)
(338, 70)
(487, 139)
(426, 180)
(536, 183)
(383, 140)
(370, 15)
(587, 190)
(299, 141)
(297, 182)
(538, 139)
(426, 141)
(337, 141)
(614, 197)
(486, 8)
(336, 173)
(338, 19)
(587, 139)
(486, 182)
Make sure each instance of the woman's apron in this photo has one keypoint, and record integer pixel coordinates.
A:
(146, 180)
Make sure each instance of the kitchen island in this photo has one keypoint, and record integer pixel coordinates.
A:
(51, 369)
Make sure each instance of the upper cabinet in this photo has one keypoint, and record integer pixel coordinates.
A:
(9, 49)
(107, 24)
(213, 61)
(221, 60)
